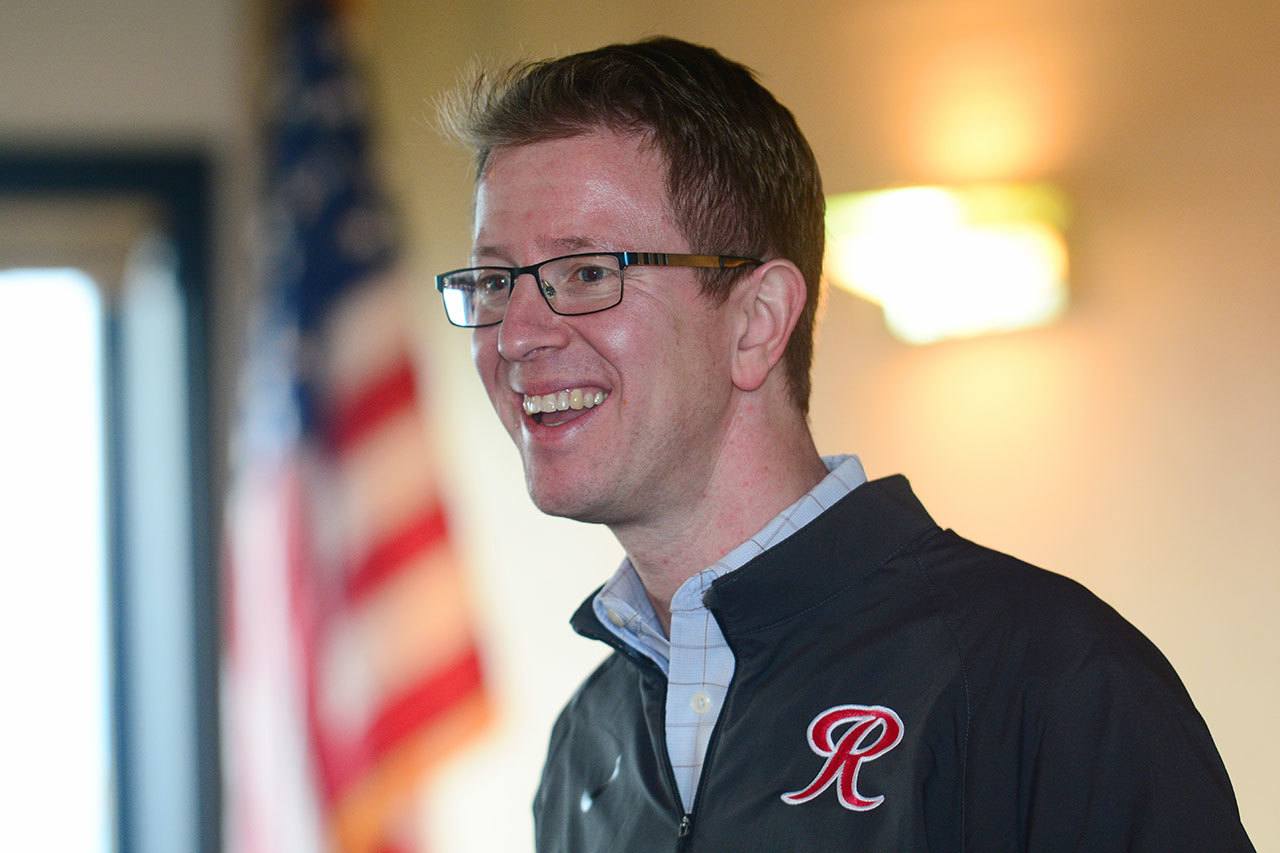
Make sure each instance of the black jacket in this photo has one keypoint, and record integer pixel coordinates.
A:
(1032, 716)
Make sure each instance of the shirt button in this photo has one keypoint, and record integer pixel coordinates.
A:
(616, 618)
(700, 703)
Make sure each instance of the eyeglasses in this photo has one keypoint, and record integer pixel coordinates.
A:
(570, 284)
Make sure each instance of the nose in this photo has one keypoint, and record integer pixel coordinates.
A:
(529, 326)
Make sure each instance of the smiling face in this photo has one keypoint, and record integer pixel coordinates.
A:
(659, 361)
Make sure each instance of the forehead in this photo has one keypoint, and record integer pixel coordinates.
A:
(597, 187)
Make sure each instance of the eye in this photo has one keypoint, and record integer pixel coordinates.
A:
(591, 274)
(492, 283)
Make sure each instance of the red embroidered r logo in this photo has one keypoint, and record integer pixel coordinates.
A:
(873, 731)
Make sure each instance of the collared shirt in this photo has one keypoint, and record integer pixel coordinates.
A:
(696, 660)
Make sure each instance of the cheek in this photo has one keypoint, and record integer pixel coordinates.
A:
(703, 344)
(617, 342)
(484, 354)
(666, 348)
(480, 345)
(484, 351)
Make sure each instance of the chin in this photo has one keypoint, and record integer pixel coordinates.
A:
(558, 504)
(565, 501)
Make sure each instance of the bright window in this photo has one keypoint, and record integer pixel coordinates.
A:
(55, 791)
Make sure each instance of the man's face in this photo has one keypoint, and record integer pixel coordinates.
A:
(660, 358)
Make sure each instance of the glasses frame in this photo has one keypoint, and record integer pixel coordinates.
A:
(625, 260)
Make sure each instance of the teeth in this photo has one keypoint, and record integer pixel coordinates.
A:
(569, 398)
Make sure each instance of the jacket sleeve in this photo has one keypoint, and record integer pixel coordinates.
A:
(1120, 760)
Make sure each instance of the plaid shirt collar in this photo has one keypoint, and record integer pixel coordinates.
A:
(623, 607)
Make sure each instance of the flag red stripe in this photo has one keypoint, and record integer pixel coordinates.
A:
(384, 395)
(394, 551)
(415, 708)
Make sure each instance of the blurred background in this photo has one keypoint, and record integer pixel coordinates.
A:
(272, 576)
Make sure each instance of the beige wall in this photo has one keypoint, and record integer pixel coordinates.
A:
(146, 75)
(1131, 446)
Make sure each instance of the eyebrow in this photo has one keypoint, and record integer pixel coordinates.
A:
(566, 245)
(576, 243)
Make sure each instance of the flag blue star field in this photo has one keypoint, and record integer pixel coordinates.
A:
(350, 662)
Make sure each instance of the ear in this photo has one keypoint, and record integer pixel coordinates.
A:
(769, 304)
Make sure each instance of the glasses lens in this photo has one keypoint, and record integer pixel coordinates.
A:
(582, 284)
(475, 297)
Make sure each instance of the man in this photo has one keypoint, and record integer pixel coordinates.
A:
(803, 660)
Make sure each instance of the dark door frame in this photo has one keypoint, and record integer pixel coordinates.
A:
(179, 185)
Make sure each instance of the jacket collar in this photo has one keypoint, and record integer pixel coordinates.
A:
(856, 536)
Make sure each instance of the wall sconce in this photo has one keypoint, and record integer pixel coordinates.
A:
(952, 262)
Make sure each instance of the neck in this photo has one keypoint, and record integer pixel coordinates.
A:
(757, 474)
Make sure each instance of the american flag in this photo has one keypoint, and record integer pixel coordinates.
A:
(350, 663)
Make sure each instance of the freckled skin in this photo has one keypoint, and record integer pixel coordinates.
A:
(644, 458)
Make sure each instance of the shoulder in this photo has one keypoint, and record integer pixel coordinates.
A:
(607, 689)
(993, 599)
(606, 697)
(591, 702)
(1072, 712)
(1034, 644)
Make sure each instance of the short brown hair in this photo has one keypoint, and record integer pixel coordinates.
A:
(741, 179)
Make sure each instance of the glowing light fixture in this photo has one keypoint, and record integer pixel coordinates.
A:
(952, 262)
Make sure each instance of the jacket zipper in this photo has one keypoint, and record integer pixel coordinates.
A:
(684, 824)
(684, 821)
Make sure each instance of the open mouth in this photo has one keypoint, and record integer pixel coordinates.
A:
(561, 407)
